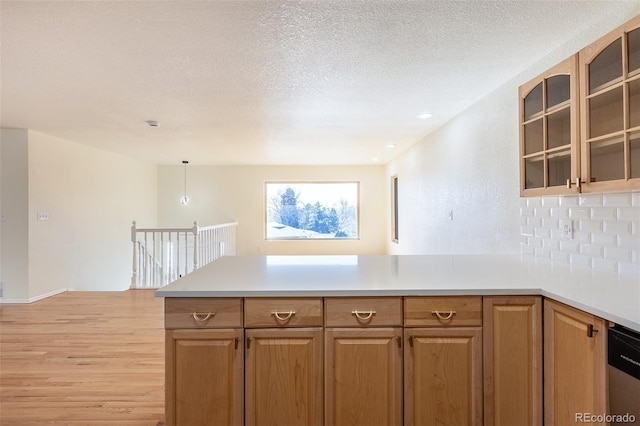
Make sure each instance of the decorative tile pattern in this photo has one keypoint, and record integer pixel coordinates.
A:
(606, 230)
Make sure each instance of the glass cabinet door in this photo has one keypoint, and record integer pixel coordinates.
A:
(548, 131)
(610, 110)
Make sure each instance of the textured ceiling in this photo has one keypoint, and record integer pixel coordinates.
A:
(265, 82)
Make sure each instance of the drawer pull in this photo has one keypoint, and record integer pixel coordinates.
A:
(442, 316)
(283, 316)
(364, 315)
(202, 316)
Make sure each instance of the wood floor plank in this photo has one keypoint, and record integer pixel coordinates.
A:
(83, 358)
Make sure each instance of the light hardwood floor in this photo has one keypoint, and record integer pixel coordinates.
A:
(83, 358)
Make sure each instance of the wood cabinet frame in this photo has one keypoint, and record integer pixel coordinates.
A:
(512, 346)
(586, 56)
(364, 343)
(481, 347)
(577, 67)
(293, 356)
(567, 67)
(567, 330)
(449, 380)
(182, 386)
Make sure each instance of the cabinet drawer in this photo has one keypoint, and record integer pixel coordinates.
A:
(202, 312)
(435, 311)
(363, 311)
(283, 312)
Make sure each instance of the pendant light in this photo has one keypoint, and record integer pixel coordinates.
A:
(185, 200)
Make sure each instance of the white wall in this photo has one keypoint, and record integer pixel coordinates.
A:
(470, 166)
(91, 197)
(14, 227)
(236, 193)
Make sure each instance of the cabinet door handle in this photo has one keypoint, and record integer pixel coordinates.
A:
(577, 183)
(363, 315)
(248, 342)
(591, 330)
(202, 316)
(411, 341)
(236, 341)
(283, 315)
(443, 317)
(399, 339)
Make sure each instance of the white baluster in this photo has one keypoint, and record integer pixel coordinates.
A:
(196, 231)
(145, 267)
(134, 272)
(154, 265)
(163, 268)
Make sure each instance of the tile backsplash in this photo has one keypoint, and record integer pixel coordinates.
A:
(606, 230)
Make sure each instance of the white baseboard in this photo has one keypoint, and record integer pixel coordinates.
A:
(34, 299)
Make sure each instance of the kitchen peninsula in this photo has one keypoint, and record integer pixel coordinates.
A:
(442, 339)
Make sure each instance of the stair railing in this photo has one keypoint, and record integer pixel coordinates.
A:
(162, 255)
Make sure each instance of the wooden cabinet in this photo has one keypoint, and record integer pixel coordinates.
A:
(580, 120)
(455, 360)
(363, 312)
(443, 361)
(202, 312)
(363, 376)
(283, 312)
(443, 376)
(363, 361)
(549, 142)
(204, 377)
(574, 364)
(283, 367)
(439, 311)
(284, 376)
(204, 361)
(610, 110)
(512, 333)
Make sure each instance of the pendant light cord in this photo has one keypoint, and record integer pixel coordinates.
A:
(185, 199)
(185, 178)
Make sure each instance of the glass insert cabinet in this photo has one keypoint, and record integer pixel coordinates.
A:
(580, 120)
(549, 142)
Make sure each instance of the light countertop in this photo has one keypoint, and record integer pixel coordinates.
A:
(608, 296)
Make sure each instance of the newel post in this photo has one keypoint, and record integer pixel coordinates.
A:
(196, 231)
(134, 275)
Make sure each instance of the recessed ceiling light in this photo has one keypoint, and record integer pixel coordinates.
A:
(391, 145)
(425, 115)
(375, 159)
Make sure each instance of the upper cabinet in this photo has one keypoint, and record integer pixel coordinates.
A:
(580, 120)
(549, 143)
(610, 110)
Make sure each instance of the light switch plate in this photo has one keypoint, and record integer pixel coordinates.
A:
(42, 216)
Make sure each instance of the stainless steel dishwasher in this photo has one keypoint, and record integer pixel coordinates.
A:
(624, 375)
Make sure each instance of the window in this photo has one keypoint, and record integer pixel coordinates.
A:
(311, 210)
(394, 209)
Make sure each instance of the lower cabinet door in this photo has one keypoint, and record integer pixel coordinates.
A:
(204, 377)
(283, 376)
(443, 376)
(363, 376)
(512, 333)
(574, 365)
